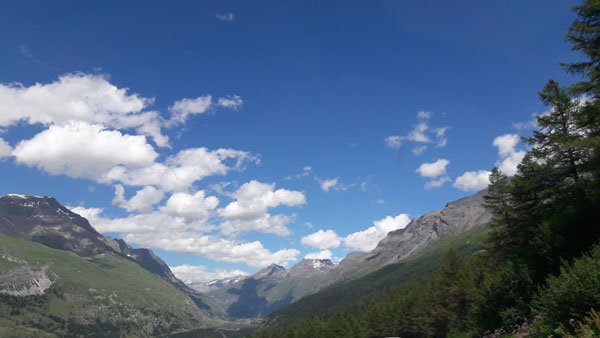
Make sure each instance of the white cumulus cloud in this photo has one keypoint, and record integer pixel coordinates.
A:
(509, 156)
(266, 223)
(180, 171)
(82, 150)
(506, 144)
(143, 200)
(473, 180)
(253, 254)
(437, 183)
(324, 254)
(180, 110)
(152, 223)
(190, 206)
(5, 149)
(368, 239)
(418, 134)
(434, 169)
(248, 211)
(175, 233)
(79, 97)
(508, 162)
(322, 239)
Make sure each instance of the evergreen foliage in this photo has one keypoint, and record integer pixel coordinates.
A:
(541, 274)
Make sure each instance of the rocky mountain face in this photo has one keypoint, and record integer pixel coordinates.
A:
(271, 288)
(311, 267)
(44, 220)
(147, 259)
(456, 218)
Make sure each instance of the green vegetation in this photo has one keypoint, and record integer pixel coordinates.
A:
(412, 269)
(540, 276)
(107, 295)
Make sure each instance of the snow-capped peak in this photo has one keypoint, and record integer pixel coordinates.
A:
(316, 263)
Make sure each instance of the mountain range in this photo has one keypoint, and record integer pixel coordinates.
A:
(53, 261)
(275, 287)
(271, 288)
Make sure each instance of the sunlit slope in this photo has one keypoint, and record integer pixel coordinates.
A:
(104, 295)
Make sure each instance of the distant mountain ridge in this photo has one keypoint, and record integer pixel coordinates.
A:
(271, 288)
(457, 217)
(274, 287)
(215, 284)
(44, 220)
(409, 270)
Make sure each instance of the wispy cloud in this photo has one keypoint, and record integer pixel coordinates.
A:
(333, 184)
(225, 17)
(306, 171)
(421, 133)
(26, 52)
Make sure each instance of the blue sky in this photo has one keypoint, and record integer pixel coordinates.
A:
(231, 135)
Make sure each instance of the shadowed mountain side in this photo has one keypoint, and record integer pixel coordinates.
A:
(250, 304)
(271, 288)
(44, 220)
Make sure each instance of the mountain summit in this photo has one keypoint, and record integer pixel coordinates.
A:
(271, 288)
(42, 219)
(310, 267)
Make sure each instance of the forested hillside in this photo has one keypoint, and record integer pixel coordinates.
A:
(409, 270)
(540, 276)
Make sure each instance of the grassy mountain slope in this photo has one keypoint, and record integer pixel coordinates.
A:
(105, 295)
(408, 270)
